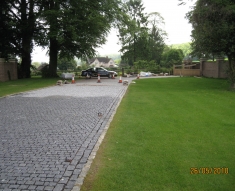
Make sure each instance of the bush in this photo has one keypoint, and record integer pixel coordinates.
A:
(45, 71)
(164, 70)
(59, 73)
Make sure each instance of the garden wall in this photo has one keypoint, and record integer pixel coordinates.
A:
(186, 71)
(214, 69)
(8, 70)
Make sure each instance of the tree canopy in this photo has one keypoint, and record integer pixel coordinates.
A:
(213, 23)
(19, 26)
(172, 56)
(67, 64)
(139, 33)
(76, 28)
(68, 28)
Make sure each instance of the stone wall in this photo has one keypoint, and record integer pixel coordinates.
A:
(8, 70)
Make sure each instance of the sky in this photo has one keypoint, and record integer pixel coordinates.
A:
(176, 26)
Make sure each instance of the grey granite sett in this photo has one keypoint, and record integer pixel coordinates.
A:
(48, 135)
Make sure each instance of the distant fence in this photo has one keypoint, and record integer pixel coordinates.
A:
(215, 69)
(192, 69)
(8, 70)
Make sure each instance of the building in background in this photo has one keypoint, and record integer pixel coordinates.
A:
(102, 62)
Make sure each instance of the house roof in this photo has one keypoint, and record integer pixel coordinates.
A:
(42, 66)
(100, 59)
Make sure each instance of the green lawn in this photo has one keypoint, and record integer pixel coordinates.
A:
(162, 129)
(21, 85)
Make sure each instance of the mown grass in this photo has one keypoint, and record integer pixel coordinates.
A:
(22, 85)
(162, 129)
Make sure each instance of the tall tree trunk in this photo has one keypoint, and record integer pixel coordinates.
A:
(134, 56)
(26, 57)
(53, 57)
(27, 30)
(53, 48)
(231, 71)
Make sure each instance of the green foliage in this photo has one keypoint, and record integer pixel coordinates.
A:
(132, 27)
(34, 70)
(67, 28)
(172, 57)
(83, 66)
(185, 47)
(67, 64)
(76, 28)
(140, 34)
(213, 30)
(19, 27)
(45, 72)
(36, 64)
(117, 61)
(156, 38)
(144, 64)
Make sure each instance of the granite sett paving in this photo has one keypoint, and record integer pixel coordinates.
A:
(49, 136)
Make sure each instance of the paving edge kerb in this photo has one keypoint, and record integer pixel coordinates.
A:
(79, 182)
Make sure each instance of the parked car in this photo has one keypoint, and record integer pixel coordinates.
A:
(93, 72)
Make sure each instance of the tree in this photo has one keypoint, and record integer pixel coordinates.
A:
(132, 28)
(156, 37)
(173, 56)
(140, 34)
(18, 28)
(185, 47)
(76, 28)
(5, 30)
(69, 28)
(36, 64)
(67, 64)
(214, 30)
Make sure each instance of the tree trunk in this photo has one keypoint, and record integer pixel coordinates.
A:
(134, 56)
(26, 63)
(28, 25)
(53, 48)
(231, 72)
(26, 57)
(53, 57)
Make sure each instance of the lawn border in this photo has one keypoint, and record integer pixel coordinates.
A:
(79, 182)
(18, 93)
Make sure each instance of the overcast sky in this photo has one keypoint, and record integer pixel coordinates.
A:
(176, 26)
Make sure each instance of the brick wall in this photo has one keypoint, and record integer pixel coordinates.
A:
(214, 69)
(187, 72)
(210, 69)
(8, 69)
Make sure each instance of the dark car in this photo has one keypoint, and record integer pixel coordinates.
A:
(93, 72)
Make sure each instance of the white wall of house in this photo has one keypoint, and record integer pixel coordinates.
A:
(96, 63)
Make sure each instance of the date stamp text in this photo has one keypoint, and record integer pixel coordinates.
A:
(209, 170)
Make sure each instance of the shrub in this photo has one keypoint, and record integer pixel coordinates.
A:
(45, 71)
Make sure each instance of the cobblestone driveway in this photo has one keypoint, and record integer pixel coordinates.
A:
(47, 135)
